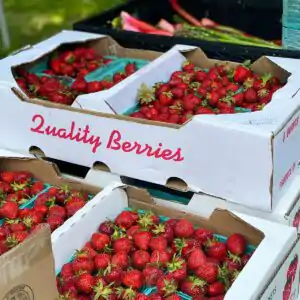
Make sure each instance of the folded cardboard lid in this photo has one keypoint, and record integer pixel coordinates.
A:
(44, 171)
(220, 222)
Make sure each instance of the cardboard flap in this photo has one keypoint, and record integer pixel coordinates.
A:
(140, 194)
(237, 225)
(28, 269)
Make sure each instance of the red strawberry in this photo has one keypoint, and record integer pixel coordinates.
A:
(107, 228)
(208, 272)
(213, 97)
(15, 238)
(3, 233)
(177, 268)
(194, 287)
(241, 73)
(200, 76)
(94, 87)
(158, 243)
(178, 92)
(3, 247)
(82, 264)
(85, 283)
(130, 68)
(233, 263)
(250, 96)
(245, 259)
(15, 225)
(151, 274)
(165, 98)
(142, 239)
(166, 285)
(102, 261)
(164, 230)
(9, 210)
(5, 188)
(122, 244)
(203, 235)
(99, 241)
(217, 250)
(126, 219)
(160, 257)
(44, 199)
(80, 85)
(54, 222)
(120, 259)
(190, 101)
(133, 279)
(262, 82)
(66, 271)
(204, 111)
(73, 205)
(113, 275)
(236, 244)
(140, 258)
(36, 188)
(238, 99)
(196, 259)
(173, 297)
(216, 289)
(57, 210)
(184, 229)
(232, 87)
(155, 296)
(133, 230)
(8, 177)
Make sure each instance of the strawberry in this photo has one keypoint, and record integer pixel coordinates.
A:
(238, 99)
(177, 268)
(200, 76)
(99, 241)
(216, 289)
(57, 210)
(208, 272)
(133, 230)
(262, 82)
(203, 235)
(122, 244)
(103, 292)
(15, 225)
(236, 244)
(185, 246)
(54, 222)
(196, 259)
(227, 110)
(3, 233)
(161, 88)
(216, 250)
(94, 87)
(164, 230)
(250, 96)
(160, 257)
(241, 73)
(173, 297)
(158, 243)
(126, 219)
(142, 240)
(184, 229)
(193, 287)
(73, 205)
(178, 92)
(245, 258)
(3, 247)
(232, 262)
(80, 264)
(140, 258)
(8, 177)
(5, 188)
(79, 85)
(151, 274)
(174, 119)
(106, 228)
(85, 283)
(36, 188)
(120, 260)
(133, 279)
(204, 111)
(66, 271)
(212, 98)
(155, 296)
(213, 74)
(232, 87)
(190, 101)
(166, 285)
(15, 238)
(44, 199)
(9, 210)
(113, 275)
(130, 68)
(102, 261)
(165, 99)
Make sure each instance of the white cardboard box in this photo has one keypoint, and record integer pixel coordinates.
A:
(245, 158)
(264, 276)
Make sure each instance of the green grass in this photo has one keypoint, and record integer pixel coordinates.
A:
(31, 21)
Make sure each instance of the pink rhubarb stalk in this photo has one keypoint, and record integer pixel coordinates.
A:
(166, 26)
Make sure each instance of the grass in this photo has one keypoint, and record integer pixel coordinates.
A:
(31, 21)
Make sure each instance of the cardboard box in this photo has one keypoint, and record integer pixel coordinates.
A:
(264, 275)
(27, 271)
(259, 151)
(103, 45)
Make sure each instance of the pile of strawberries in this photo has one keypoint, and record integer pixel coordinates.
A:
(137, 251)
(193, 91)
(54, 207)
(58, 86)
(16, 189)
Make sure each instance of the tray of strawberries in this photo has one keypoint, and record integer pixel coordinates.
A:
(141, 255)
(26, 203)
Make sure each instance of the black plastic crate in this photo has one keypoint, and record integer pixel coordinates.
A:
(257, 17)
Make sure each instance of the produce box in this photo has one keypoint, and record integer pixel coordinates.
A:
(166, 155)
(54, 205)
(276, 279)
(27, 271)
(74, 65)
(242, 15)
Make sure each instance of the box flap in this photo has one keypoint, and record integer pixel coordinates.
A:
(27, 271)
